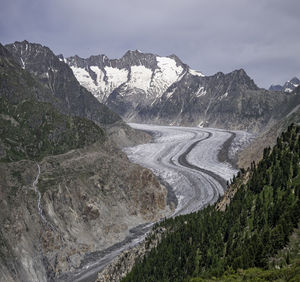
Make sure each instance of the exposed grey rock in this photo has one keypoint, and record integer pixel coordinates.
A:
(123, 264)
(269, 135)
(276, 87)
(288, 87)
(66, 94)
(56, 75)
(222, 100)
(102, 76)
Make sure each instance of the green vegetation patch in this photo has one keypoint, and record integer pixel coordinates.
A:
(39, 130)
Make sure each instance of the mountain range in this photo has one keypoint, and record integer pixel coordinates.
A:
(148, 88)
(288, 86)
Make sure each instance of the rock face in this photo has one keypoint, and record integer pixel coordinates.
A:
(271, 132)
(59, 79)
(151, 89)
(90, 198)
(288, 87)
(65, 188)
(223, 100)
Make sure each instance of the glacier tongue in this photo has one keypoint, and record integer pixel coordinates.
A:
(187, 158)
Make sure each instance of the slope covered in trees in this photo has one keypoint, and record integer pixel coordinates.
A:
(254, 227)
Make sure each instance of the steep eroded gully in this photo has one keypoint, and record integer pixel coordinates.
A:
(34, 186)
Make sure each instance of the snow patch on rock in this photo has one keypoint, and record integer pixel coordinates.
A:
(140, 77)
(164, 76)
(106, 81)
(196, 73)
(84, 78)
(201, 92)
(115, 76)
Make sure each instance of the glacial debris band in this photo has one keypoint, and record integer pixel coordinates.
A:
(189, 160)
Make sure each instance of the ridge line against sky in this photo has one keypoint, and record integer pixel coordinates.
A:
(263, 37)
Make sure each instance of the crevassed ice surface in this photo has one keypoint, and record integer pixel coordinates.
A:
(194, 189)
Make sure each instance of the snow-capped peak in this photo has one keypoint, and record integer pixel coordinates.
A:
(288, 87)
(146, 72)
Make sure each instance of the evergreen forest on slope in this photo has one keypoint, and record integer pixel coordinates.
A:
(240, 242)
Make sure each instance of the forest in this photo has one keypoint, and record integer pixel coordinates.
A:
(255, 226)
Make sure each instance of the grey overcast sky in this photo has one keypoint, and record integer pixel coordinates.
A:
(261, 36)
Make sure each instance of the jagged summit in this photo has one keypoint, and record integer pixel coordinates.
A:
(133, 53)
(295, 81)
(135, 71)
(144, 87)
(56, 75)
(288, 87)
(4, 51)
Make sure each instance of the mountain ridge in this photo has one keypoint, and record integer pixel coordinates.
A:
(287, 87)
(147, 88)
(58, 78)
(109, 74)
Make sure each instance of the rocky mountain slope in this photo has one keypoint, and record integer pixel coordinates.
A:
(58, 78)
(65, 189)
(222, 100)
(148, 88)
(288, 87)
(67, 95)
(254, 152)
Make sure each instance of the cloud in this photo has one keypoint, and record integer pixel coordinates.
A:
(210, 35)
